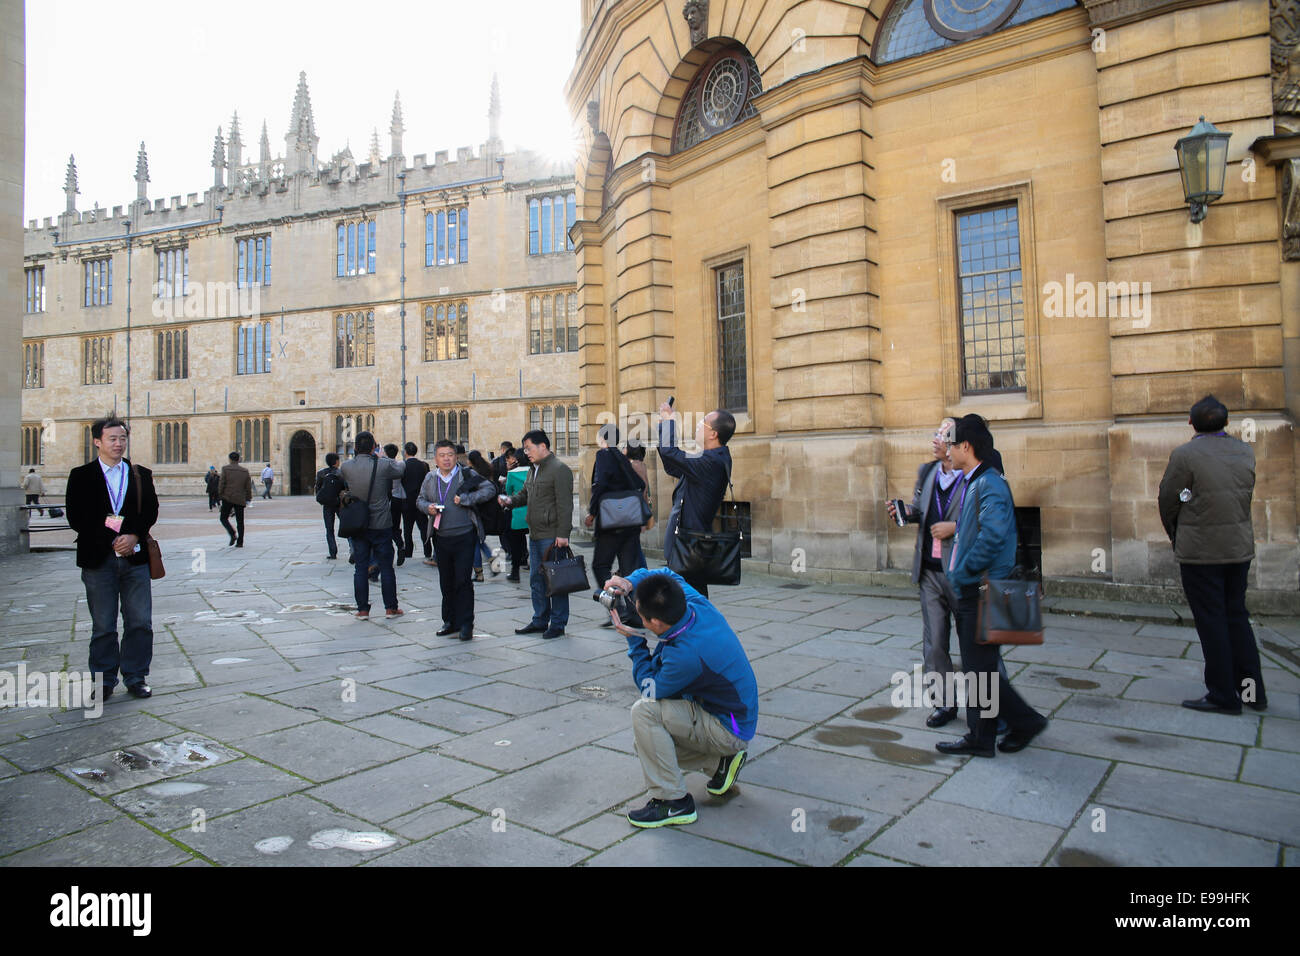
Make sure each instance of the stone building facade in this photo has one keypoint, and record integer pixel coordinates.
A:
(267, 315)
(847, 220)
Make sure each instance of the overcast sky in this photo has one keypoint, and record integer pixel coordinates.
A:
(102, 76)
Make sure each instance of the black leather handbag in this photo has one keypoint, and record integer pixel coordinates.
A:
(354, 513)
(1010, 612)
(564, 575)
(711, 557)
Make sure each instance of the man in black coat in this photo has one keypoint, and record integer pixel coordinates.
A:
(112, 504)
(702, 477)
(412, 516)
(611, 474)
(331, 511)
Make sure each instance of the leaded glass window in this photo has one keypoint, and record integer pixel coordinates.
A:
(734, 370)
(909, 28)
(720, 96)
(992, 300)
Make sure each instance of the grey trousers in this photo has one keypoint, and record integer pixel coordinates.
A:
(676, 735)
(938, 610)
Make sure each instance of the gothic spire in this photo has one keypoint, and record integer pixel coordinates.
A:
(234, 150)
(396, 129)
(70, 184)
(218, 161)
(141, 174)
(375, 157)
(265, 145)
(301, 140)
(494, 112)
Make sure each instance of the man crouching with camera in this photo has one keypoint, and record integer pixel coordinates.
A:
(699, 699)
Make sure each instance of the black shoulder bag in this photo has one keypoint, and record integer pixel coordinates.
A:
(710, 557)
(354, 515)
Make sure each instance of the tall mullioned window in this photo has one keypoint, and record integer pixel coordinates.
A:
(34, 365)
(173, 272)
(449, 424)
(549, 219)
(33, 445)
(355, 248)
(992, 300)
(171, 443)
(253, 439)
(734, 368)
(97, 360)
(446, 331)
(253, 261)
(560, 422)
(253, 348)
(99, 282)
(446, 237)
(172, 355)
(354, 339)
(35, 289)
(348, 427)
(553, 323)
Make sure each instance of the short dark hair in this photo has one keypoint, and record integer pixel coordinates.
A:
(724, 425)
(332, 460)
(460, 449)
(365, 443)
(411, 448)
(505, 446)
(660, 597)
(108, 421)
(609, 434)
(975, 430)
(519, 455)
(538, 437)
(1209, 415)
(444, 443)
(635, 451)
(233, 456)
(391, 449)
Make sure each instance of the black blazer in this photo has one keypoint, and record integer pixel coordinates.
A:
(611, 472)
(88, 505)
(412, 478)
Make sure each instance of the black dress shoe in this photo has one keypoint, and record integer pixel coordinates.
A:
(1210, 707)
(1016, 740)
(964, 745)
(401, 558)
(104, 692)
(448, 629)
(513, 576)
(141, 690)
(530, 628)
(940, 716)
(552, 633)
(467, 634)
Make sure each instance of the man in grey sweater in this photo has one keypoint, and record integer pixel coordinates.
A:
(448, 495)
(1205, 507)
(548, 493)
(372, 470)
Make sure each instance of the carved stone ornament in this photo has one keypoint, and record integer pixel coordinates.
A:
(593, 116)
(696, 13)
(1284, 28)
(1291, 210)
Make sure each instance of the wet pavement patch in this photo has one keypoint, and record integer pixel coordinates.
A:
(845, 824)
(1072, 857)
(855, 736)
(350, 840)
(874, 714)
(1074, 683)
(151, 763)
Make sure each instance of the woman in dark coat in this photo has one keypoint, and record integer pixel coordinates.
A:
(613, 473)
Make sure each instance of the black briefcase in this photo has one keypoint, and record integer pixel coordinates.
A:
(564, 575)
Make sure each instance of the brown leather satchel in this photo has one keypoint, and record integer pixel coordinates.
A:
(149, 543)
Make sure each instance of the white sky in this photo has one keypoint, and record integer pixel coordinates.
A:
(102, 76)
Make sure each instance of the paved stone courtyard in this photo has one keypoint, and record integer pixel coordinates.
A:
(283, 731)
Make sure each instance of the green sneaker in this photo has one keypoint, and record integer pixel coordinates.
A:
(662, 813)
(725, 775)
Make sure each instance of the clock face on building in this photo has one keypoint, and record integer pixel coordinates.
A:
(966, 19)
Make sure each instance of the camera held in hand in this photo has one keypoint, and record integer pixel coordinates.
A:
(621, 604)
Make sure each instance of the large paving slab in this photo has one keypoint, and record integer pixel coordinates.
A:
(937, 834)
(397, 788)
(869, 784)
(225, 788)
(37, 807)
(120, 842)
(1035, 784)
(673, 847)
(1141, 839)
(323, 750)
(479, 843)
(528, 740)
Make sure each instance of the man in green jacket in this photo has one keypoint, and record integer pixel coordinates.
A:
(1205, 507)
(548, 493)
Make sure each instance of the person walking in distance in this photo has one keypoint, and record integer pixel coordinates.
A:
(1205, 497)
(329, 482)
(413, 519)
(701, 478)
(212, 481)
(31, 483)
(268, 478)
(548, 493)
(515, 537)
(448, 496)
(235, 489)
(370, 476)
(112, 504)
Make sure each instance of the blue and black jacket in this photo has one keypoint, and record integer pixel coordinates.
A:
(986, 530)
(703, 661)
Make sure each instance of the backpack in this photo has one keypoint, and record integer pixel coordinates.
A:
(331, 486)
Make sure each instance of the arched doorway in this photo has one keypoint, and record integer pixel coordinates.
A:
(302, 464)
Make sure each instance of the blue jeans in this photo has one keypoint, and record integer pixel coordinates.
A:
(112, 583)
(550, 612)
(481, 551)
(374, 546)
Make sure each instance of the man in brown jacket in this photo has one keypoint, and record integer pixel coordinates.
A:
(235, 489)
(548, 493)
(1205, 507)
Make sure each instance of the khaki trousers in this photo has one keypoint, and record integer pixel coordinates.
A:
(676, 735)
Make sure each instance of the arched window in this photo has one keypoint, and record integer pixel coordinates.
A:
(535, 325)
(718, 98)
(913, 27)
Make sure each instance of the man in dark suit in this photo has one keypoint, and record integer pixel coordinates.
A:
(702, 477)
(330, 511)
(235, 489)
(936, 500)
(412, 517)
(112, 504)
